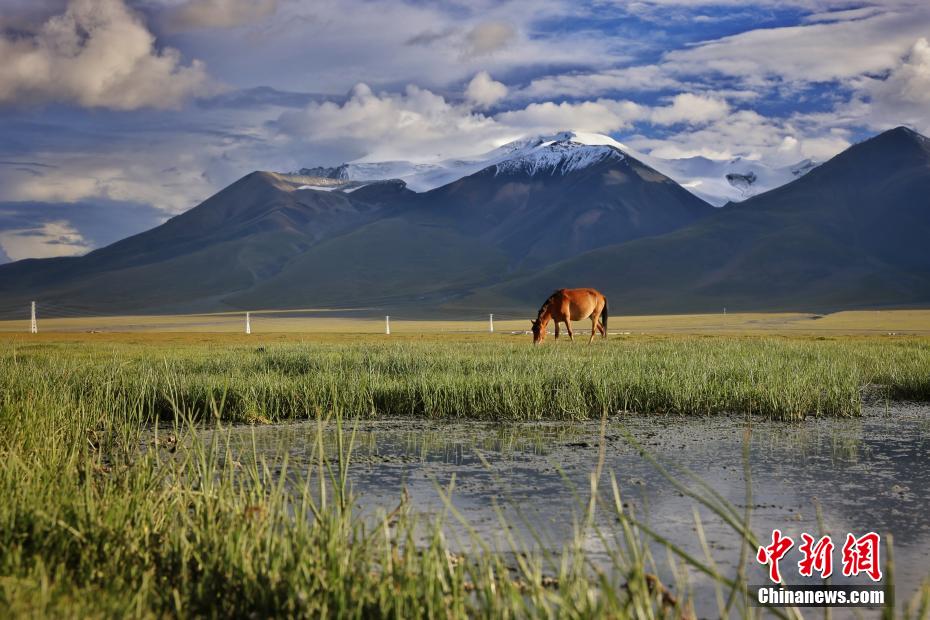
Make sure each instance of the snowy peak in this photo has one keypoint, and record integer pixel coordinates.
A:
(562, 154)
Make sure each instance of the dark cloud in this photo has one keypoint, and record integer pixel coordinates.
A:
(197, 14)
(261, 96)
(429, 37)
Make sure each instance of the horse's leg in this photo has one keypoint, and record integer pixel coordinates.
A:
(600, 328)
(568, 327)
(556, 330)
(595, 318)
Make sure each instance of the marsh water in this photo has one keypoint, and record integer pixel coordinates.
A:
(531, 481)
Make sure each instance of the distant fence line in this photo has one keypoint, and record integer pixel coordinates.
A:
(39, 315)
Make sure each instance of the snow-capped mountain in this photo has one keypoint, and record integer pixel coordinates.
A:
(565, 151)
(715, 181)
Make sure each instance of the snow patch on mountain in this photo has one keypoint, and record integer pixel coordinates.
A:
(732, 180)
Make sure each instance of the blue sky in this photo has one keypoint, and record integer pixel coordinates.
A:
(116, 114)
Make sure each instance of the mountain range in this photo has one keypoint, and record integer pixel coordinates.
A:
(502, 230)
(715, 181)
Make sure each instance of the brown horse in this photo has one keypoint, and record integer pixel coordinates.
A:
(572, 304)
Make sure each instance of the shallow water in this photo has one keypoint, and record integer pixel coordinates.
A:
(867, 474)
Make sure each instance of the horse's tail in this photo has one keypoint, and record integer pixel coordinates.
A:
(604, 315)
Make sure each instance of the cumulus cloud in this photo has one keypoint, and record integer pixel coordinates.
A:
(489, 37)
(194, 14)
(484, 91)
(903, 97)
(414, 124)
(98, 53)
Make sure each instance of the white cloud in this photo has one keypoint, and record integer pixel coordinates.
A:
(194, 14)
(610, 115)
(910, 81)
(602, 116)
(748, 134)
(484, 91)
(415, 124)
(56, 238)
(903, 97)
(98, 53)
(808, 53)
(690, 108)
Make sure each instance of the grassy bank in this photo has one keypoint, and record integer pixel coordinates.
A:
(500, 378)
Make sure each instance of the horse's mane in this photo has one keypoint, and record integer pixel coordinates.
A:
(548, 301)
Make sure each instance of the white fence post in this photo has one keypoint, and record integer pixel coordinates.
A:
(491, 323)
(248, 323)
(387, 325)
(33, 326)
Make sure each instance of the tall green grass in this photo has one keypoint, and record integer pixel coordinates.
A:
(496, 380)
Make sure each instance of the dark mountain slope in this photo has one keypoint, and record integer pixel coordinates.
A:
(557, 202)
(850, 233)
(551, 206)
(239, 236)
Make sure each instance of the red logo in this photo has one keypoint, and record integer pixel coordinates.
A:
(773, 553)
(817, 557)
(861, 555)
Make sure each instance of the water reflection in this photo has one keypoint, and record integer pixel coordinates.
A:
(867, 474)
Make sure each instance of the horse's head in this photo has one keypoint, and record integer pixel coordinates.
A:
(539, 333)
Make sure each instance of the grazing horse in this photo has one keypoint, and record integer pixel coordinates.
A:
(572, 304)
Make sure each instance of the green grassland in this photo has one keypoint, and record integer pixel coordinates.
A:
(481, 377)
(101, 518)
